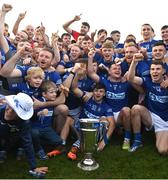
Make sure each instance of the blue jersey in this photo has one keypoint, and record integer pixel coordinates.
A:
(92, 109)
(156, 98)
(119, 55)
(42, 121)
(116, 93)
(98, 46)
(12, 50)
(133, 94)
(25, 88)
(3, 59)
(86, 84)
(100, 60)
(119, 45)
(148, 45)
(49, 75)
(53, 76)
(68, 64)
(11, 46)
(142, 68)
(61, 55)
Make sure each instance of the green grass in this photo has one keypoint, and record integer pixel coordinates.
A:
(114, 163)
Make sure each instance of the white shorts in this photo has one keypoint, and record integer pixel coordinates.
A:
(75, 113)
(116, 114)
(158, 123)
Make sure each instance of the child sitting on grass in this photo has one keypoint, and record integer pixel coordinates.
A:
(42, 129)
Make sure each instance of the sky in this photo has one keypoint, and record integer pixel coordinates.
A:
(127, 16)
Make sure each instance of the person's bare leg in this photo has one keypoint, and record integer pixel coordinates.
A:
(60, 114)
(139, 114)
(66, 129)
(162, 142)
(124, 118)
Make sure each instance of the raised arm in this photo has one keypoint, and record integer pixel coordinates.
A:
(8, 69)
(68, 82)
(91, 72)
(54, 41)
(17, 23)
(67, 24)
(131, 72)
(3, 42)
(45, 37)
(78, 92)
(92, 35)
(62, 70)
(59, 100)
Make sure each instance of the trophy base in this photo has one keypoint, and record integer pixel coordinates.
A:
(88, 163)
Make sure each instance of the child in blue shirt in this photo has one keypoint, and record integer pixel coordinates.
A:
(33, 80)
(42, 121)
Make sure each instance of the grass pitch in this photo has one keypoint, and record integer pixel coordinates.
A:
(114, 163)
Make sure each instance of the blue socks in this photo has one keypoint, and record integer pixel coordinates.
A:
(127, 135)
(137, 137)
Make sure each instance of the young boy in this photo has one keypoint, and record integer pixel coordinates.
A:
(42, 121)
(33, 80)
(95, 108)
(30, 86)
(15, 116)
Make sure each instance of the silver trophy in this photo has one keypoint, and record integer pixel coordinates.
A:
(89, 131)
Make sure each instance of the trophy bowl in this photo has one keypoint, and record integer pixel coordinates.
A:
(88, 131)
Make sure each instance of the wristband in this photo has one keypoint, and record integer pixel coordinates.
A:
(72, 73)
(84, 93)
